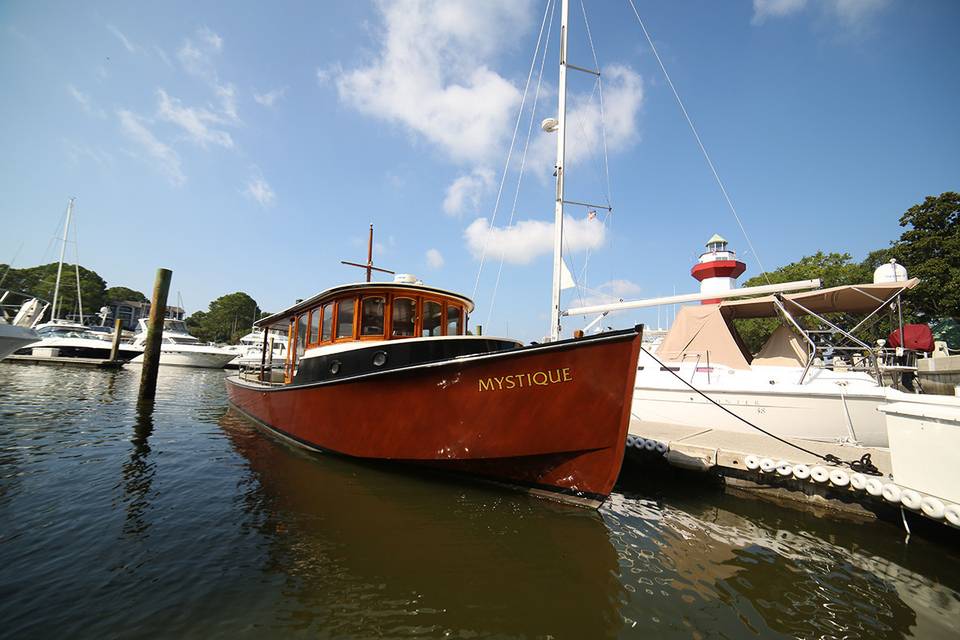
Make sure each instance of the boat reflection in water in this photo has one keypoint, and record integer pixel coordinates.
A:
(365, 551)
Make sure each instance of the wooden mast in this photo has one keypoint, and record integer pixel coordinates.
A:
(369, 266)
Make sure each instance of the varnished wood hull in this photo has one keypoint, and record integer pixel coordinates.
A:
(550, 418)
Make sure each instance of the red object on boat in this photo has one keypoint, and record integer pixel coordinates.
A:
(917, 337)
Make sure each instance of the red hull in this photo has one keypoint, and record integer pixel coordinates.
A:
(552, 418)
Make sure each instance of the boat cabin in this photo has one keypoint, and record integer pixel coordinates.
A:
(351, 317)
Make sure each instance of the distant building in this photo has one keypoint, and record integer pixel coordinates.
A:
(130, 312)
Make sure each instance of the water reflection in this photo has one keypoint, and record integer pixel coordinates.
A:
(366, 551)
(138, 472)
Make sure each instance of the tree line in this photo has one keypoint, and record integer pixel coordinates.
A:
(929, 247)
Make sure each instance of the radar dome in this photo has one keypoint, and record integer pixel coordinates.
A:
(405, 278)
(890, 272)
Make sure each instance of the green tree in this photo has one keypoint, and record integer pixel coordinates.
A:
(122, 294)
(833, 269)
(41, 281)
(228, 319)
(930, 250)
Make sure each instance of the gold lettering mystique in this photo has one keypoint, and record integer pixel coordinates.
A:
(523, 379)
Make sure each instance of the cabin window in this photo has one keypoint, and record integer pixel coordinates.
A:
(345, 312)
(314, 326)
(327, 322)
(432, 318)
(301, 334)
(454, 321)
(404, 317)
(371, 317)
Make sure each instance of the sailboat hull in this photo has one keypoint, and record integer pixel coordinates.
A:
(549, 418)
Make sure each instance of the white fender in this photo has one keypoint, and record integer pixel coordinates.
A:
(858, 481)
(631, 440)
(752, 462)
(932, 507)
(650, 445)
(801, 471)
(910, 499)
(952, 514)
(839, 478)
(661, 447)
(767, 465)
(891, 493)
(819, 474)
(874, 486)
(638, 443)
(784, 468)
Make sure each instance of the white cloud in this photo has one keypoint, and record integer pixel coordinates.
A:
(269, 98)
(610, 291)
(85, 102)
(168, 161)
(197, 54)
(132, 48)
(163, 56)
(260, 191)
(465, 192)
(851, 13)
(196, 122)
(434, 258)
(763, 9)
(431, 75)
(81, 152)
(622, 99)
(527, 239)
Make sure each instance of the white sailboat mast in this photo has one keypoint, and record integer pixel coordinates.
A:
(63, 249)
(558, 209)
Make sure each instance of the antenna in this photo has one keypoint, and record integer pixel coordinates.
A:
(369, 266)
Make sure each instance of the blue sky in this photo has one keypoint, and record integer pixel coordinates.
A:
(247, 146)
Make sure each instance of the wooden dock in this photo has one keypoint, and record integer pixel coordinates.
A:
(96, 363)
(736, 458)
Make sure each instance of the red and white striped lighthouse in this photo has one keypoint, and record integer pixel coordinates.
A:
(718, 268)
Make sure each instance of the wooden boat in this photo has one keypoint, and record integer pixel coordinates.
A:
(388, 371)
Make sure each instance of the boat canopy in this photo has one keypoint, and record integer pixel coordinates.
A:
(700, 334)
(854, 298)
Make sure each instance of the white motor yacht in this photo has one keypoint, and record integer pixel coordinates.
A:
(250, 350)
(66, 339)
(19, 313)
(179, 348)
(811, 380)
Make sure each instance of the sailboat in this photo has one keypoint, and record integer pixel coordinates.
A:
(62, 338)
(390, 371)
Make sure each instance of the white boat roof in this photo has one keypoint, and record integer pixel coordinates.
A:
(357, 286)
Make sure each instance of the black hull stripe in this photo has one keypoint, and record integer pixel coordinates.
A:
(562, 345)
(578, 497)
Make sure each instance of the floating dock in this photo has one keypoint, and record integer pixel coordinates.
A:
(96, 363)
(765, 467)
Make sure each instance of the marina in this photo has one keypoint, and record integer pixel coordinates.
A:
(490, 438)
(184, 520)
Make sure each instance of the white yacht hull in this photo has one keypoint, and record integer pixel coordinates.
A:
(184, 356)
(818, 416)
(13, 337)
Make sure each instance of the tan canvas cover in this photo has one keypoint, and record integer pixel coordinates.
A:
(855, 298)
(700, 329)
(782, 349)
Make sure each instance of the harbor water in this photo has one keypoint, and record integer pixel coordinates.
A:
(181, 519)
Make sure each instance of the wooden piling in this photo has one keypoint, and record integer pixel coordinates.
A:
(117, 330)
(151, 352)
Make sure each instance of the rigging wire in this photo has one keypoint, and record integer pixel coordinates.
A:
(526, 146)
(513, 140)
(603, 120)
(863, 465)
(699, 142)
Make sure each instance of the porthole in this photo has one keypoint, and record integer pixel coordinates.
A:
(379, 358)
(334, 367)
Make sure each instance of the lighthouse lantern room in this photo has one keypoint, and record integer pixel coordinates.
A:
(718, 268)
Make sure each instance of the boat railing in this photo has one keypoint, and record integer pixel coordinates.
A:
(21, 309)
(269, 374)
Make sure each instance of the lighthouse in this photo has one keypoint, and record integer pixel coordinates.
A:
(717, 268)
